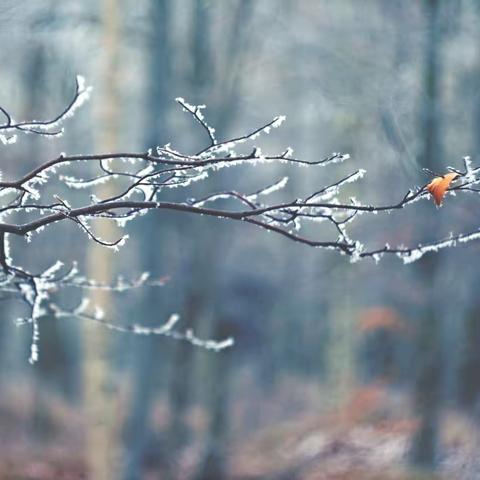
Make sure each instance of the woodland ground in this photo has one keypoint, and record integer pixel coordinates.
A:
(284, 435)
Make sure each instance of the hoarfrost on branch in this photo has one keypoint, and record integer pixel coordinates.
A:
(140, 180)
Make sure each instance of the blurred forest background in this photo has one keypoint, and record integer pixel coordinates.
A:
(339, 371)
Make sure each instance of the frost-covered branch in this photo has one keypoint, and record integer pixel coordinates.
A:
(140, 182)
(53, 127)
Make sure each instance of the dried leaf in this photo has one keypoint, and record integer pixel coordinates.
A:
(439, 185)
(386, 318)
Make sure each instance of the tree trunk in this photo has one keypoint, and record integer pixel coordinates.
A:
(99, 388)
(146, 368)
(427, 387)
(214, 461)
(216, 384)
(199, 286)
(342, 341)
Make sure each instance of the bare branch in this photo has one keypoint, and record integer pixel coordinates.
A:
(140, 180)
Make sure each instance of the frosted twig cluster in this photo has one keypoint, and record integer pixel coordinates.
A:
(141, 181)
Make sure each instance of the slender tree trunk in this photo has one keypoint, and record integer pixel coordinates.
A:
(469, 391)
(199, 286)
(216, 385)
(99, 387)
(146, 369)
(52, 369)
(342, 341)
(41, 423)
(238, 46)
(214, 462)
(427, 388)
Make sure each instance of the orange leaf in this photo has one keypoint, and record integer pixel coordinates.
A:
(381, 318)
(439, 185)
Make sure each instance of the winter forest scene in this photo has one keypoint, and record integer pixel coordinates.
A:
(239, 240)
